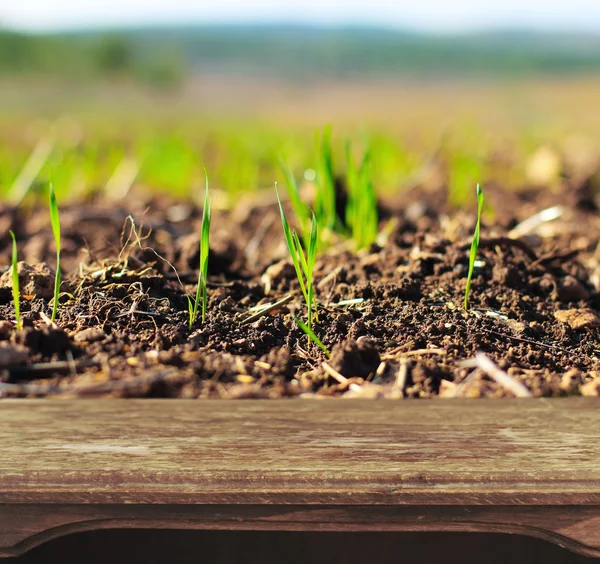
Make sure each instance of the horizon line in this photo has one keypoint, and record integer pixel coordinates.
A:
(296, 25)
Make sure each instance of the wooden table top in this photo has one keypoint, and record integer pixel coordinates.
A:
(529, 466)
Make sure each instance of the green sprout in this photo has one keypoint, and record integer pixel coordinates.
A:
(201, 292)
(474, 245)
(311, 335)
(304, 263)
(362, 216)
(55, 221)
(325, 197)
(301, 210)
(15, 282)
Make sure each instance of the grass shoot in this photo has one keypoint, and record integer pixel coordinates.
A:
(15, 282)
(325, 197)
(311, 335)
(301, 210)
(303, 262)
(362, 216)
(201, 289)
(55, 221)
(474, 245)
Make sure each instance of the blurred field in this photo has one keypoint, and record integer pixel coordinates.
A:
(417, 123)
(514, 129)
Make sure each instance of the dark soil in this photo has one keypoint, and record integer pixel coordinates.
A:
(392, 315)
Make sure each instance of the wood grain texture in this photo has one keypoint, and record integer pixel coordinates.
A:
(528, 466)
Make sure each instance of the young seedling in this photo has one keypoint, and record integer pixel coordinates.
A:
(303, 263)
(311, 335)
(325, 197)
(15, 282)
(55, 221)
(201, 292)
(362, 216)
(474, 245)
(301, 210)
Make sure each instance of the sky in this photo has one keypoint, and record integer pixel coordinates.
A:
(434, 15)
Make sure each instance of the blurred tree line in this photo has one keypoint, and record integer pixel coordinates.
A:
(164, 56)
(85, 57)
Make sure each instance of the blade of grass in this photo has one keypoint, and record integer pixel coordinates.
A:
(303, 263)
(311, 335)
(299, 207)
(306, 275)
(368, 216)
(474, 245)
(352, 183)
(362, 216)
(312, 253)
(39, 156)
(55, 221)
(205, 246)
(325, 200)
(15, 282)
(201, 288)
(289, 239)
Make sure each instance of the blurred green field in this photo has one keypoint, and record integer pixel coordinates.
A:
(104, 138)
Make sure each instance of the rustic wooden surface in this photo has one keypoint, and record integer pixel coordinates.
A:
(517, 466)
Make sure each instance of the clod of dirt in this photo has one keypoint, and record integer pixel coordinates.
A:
(571, 380)
(36, 280)
(222, 253)
(6, 328)
(280, 362)
(91, 335)
(358, 358)
(12, 354)
(578, 318)
(45, 340)
(571, 290)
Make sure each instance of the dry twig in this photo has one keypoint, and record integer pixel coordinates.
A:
(484, 363)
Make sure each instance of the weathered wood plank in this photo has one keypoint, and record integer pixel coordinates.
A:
(528, 466)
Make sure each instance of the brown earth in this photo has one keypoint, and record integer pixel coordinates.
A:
(392, 315)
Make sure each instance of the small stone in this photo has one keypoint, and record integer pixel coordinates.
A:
(178, 213)
(578, 318)
(448, 389)
(366, 391)
(36, 280)
(415, 211)
(12, 354)
(245, 391)
(591, 388)
(245, 379)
